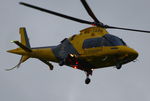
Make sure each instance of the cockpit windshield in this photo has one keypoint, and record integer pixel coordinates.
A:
(115, 41)
(106, 40)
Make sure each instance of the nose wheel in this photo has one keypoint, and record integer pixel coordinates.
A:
(118, 66)
(87, 80)
(88, 73)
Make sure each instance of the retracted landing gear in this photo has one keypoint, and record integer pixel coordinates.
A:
(88, 73)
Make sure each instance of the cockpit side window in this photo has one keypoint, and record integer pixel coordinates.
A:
(95, 42)
(106, 40)
(91, 43)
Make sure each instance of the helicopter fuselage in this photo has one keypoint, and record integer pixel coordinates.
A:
(93, 48)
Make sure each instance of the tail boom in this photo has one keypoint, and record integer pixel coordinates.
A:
(44, 54)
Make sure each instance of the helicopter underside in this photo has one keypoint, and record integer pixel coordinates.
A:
(105, 57)
(109, 60)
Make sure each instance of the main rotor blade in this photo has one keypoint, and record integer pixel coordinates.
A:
(88, 9)
(136, 30)
(57, 14)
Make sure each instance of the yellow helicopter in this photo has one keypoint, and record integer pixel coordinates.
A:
(92, 48)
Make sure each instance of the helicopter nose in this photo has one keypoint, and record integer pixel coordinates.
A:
(131, 54)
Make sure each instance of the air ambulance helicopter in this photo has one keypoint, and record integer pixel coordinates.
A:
(92, 48)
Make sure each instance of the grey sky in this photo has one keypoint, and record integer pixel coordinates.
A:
(34, 82)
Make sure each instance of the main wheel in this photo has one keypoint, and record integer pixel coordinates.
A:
(87, 81)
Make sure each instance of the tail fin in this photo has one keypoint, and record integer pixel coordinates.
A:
(24, 37)
(24, 45)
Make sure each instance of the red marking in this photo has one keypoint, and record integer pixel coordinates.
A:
(77, 62)
(93, 24)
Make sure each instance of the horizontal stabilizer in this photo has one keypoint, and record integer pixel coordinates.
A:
(22, 46)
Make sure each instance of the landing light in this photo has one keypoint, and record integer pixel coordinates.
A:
(71, 55)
